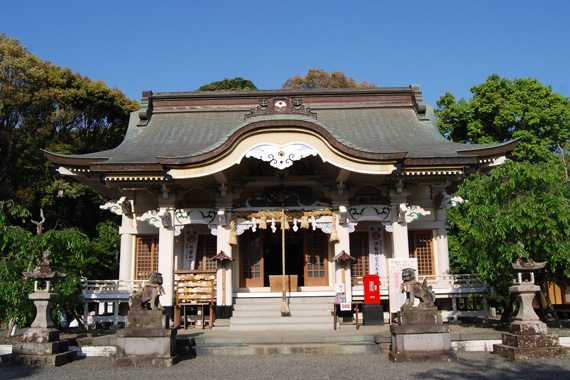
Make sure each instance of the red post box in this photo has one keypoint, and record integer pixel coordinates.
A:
(371, 288)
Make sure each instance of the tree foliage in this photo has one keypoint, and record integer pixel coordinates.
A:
(72, 253)
(521, 207)
(502, 109)
(518, 209)
(229, 85)
(319, 78)
(44, 106)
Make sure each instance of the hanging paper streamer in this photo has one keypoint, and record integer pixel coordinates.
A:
(308, 220)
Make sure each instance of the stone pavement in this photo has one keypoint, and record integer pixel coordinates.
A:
(471, 365)
(468, 366)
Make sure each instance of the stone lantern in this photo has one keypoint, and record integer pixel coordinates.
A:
(529, 336)
(44, 295)
(525, 288)
(40, 344)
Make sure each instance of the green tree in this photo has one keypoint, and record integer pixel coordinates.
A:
(21, 251)
(319, 78)
(517, 209)
(229, 85)
(43, 106)
(72, 253)
(503, 109)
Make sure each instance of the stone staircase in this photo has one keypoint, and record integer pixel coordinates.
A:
(262, 314)
(277, 343)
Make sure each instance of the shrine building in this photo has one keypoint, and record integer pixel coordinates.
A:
(360, 175)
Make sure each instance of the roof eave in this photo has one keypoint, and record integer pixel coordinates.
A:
(499, 149)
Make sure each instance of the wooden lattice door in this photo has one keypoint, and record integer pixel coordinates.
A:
(359, 251)
(146, 256)
(316, 263)
(251, 254)
(421, 247)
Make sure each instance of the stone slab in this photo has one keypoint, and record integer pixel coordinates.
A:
(529, 327)
(146, 319)
(41, 334)
(419, 317)
(420, 356)
(54, 360)
(522, 353)
(437, 342)
(419, 329)
(38, 348)
(538, 340)
(161, 347)
(144, 361)
(146, 333)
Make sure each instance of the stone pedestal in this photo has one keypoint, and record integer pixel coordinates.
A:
(55, 353)
(146, 340)
(40, 344)
(42, 328)
(419, 336)
(529, 340)
(529, 336)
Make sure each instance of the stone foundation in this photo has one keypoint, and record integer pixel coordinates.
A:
(40, 354)
(420, 336)
(530, 340)
(146, 341)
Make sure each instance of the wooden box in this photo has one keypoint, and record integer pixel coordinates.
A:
(276, 283)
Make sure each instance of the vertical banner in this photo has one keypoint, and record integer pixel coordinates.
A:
(395, 266)
(376, 250)
(190, 246)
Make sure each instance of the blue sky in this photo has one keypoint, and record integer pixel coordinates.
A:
(164, 46)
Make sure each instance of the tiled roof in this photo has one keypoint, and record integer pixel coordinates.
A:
(367, 129)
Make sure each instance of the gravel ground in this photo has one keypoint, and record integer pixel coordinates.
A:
(468, 366)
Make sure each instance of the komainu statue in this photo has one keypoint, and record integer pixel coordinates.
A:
(415, 289)
(148, 297)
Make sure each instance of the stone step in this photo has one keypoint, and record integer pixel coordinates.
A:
(271, 326)
(278, 300)
(263, 314)
(53, 360)
(285, 349)
(278, 319)
(277, 345)
(276, 313)
(260, 307)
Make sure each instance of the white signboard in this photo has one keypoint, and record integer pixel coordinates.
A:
(395, 266)
(190, 246)
(376, 250)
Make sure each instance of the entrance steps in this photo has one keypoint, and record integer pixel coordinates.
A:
(262, 314)
(277, 344)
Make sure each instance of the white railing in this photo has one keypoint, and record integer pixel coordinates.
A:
(471, 282)
(108, 295)
(110, 289)
(466, 293)
(468, 282)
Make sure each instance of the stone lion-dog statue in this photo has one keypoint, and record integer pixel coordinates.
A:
(415, 289)
(148, 297)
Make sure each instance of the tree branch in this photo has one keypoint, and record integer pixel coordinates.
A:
(39, 225)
